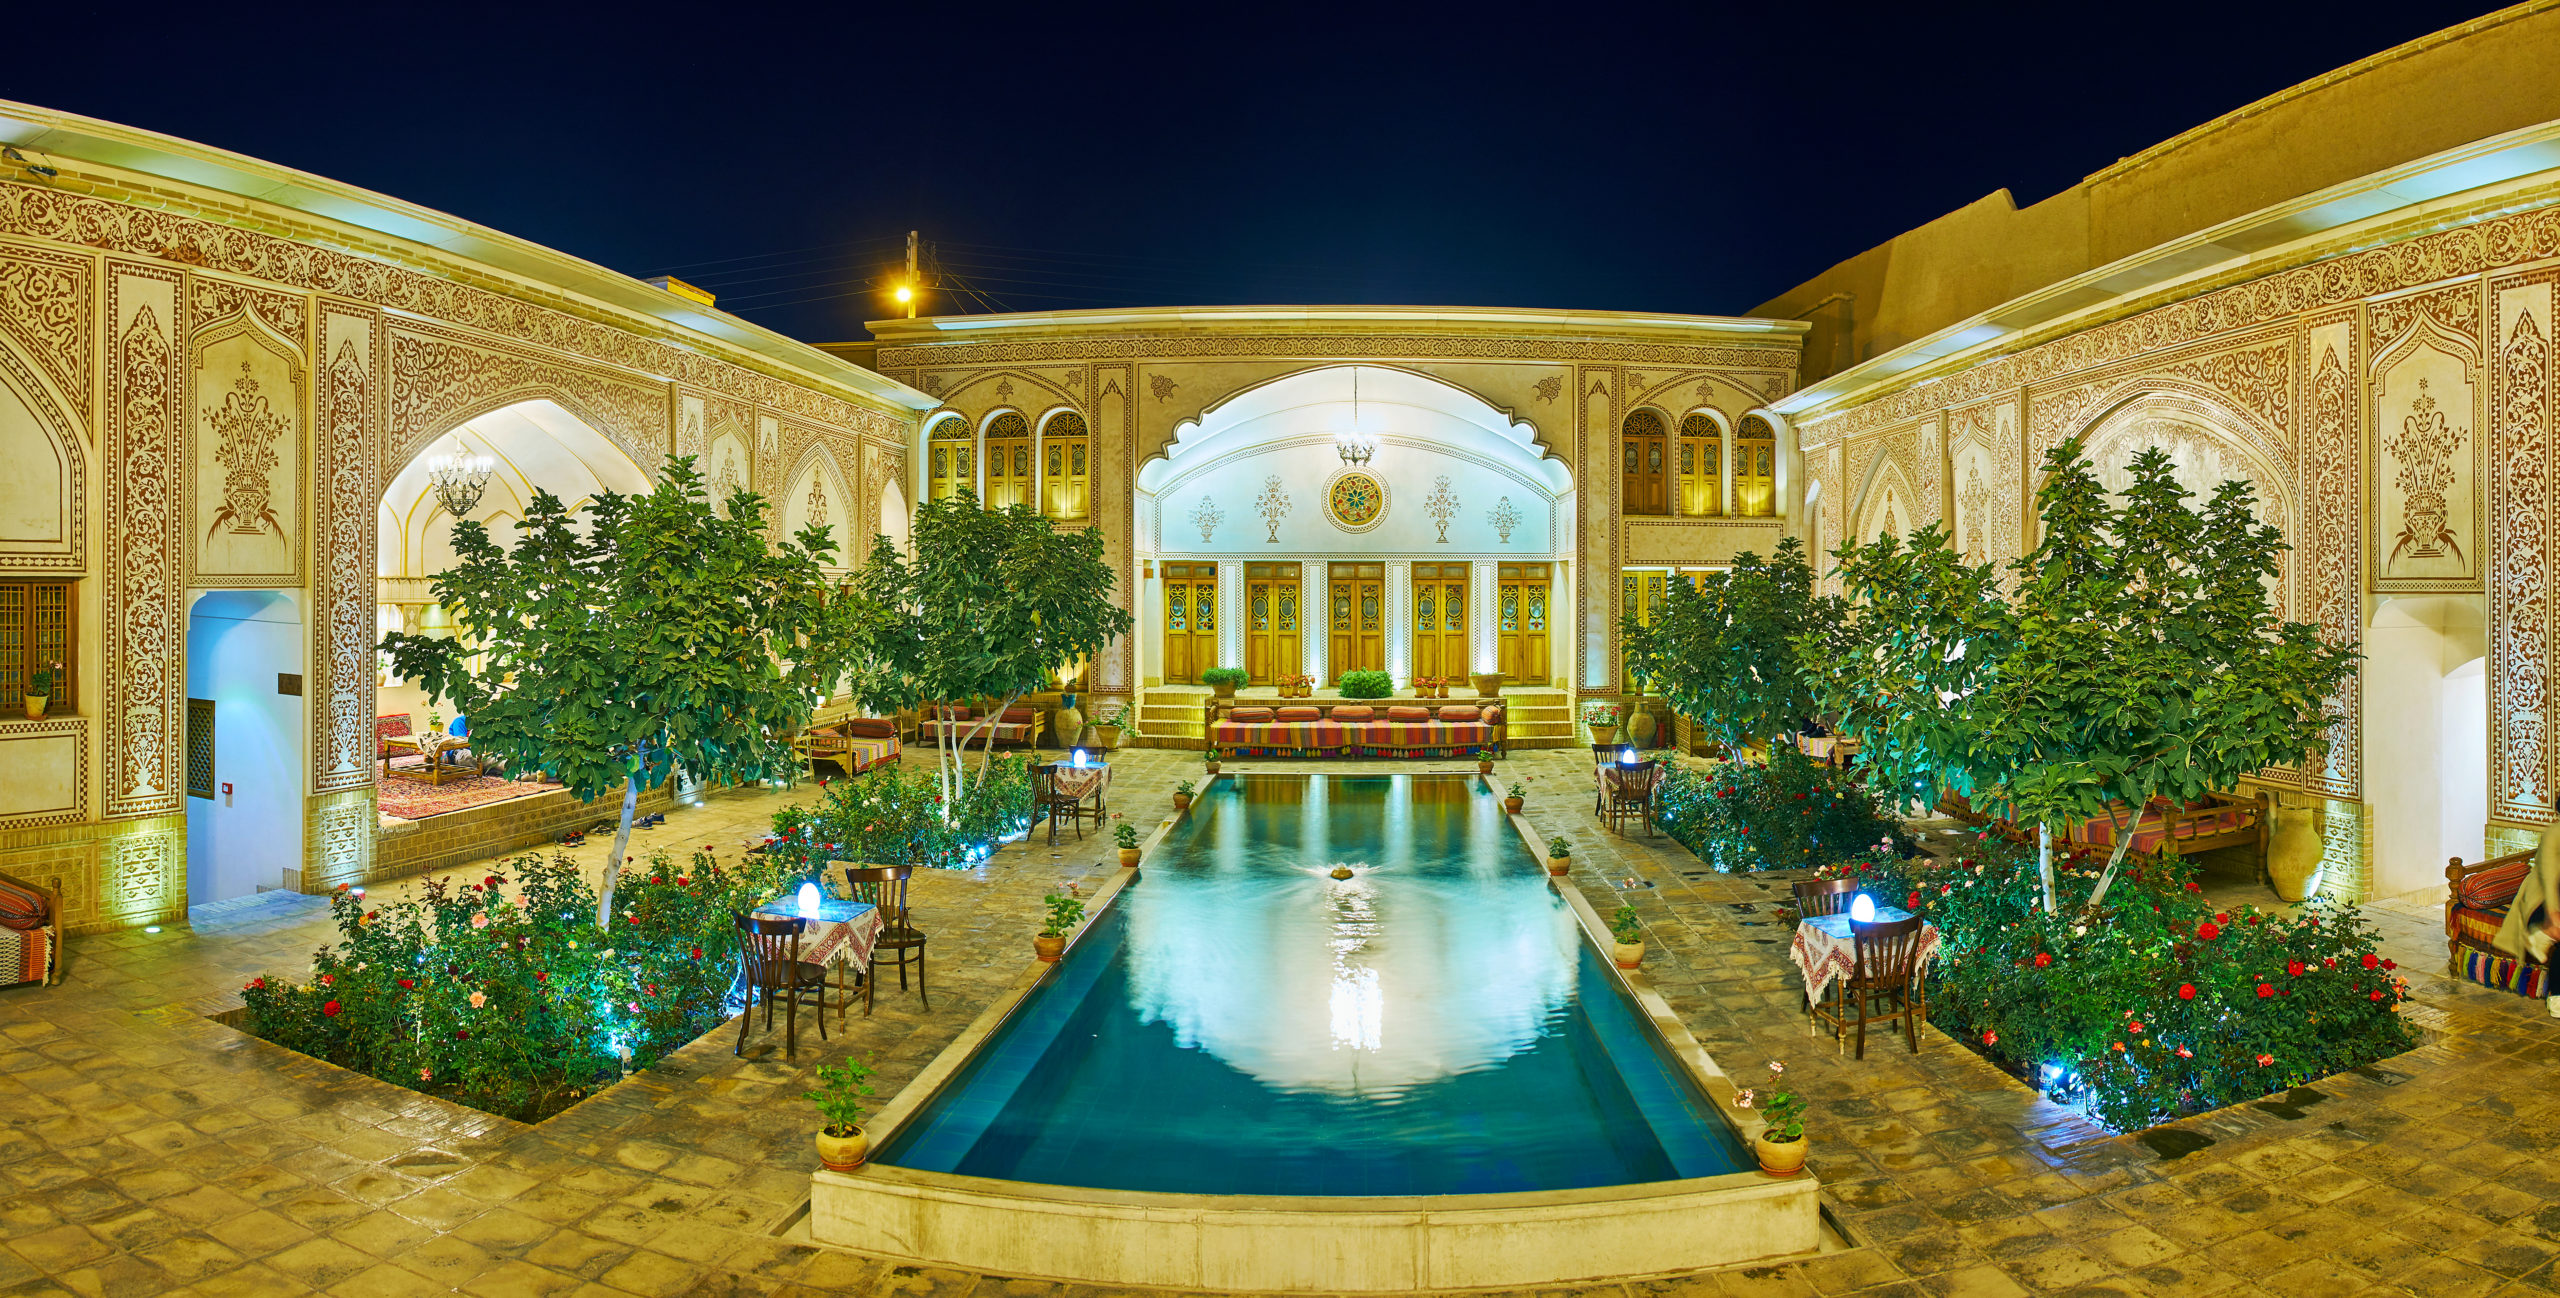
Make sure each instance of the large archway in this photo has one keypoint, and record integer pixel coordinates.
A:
(1439, 554)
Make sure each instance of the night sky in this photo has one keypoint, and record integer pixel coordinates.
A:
(1701, 159)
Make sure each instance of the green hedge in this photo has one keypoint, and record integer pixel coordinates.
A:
(1224, 676)
(1787, 815)
(1366, 685)
(2156, 1004)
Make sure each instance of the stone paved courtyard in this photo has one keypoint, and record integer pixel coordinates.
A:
(149, 1149)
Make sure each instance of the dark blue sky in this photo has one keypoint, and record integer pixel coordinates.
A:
(1697, 158)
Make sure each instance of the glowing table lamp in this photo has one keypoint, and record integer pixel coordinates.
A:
(1080, 757)
(1862, 908)
(1627, 756)
(809, 900)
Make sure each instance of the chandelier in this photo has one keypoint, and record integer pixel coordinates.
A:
(459, 480)
(1355, 447)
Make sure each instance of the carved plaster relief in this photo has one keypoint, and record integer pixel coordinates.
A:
(2520, 536)
(344, 542)
(144, 686)
(2425, 449)
(2333, 564)
(725, 474)
(245, 492)
(45, 306)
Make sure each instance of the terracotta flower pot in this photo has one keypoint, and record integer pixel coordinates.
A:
(843, 1153)
(1212, 768)
(1182, 802)
(1128, 856)
(1224, 689)
(1627, 954)
(1780, 1157)
(1048, 946)
(1601, 734)
(1559, 865)
(1512, 805)
(1484, 767)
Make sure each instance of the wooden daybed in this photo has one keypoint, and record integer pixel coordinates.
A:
(1320, 727)
(852, 742)
(2218, 820)
(30, 933)
(2476, 900)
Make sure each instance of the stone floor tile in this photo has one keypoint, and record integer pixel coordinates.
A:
(1974, 1282)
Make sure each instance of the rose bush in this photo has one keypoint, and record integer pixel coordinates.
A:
(2159, 1003)
(1787, 815)
(500, 993)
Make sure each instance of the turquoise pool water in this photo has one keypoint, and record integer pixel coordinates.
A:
(1238, 1022)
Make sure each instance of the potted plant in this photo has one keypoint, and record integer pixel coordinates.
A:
(1106, 734)
(1065, 912)
(1128, 836)
(1223, 681)
(1629, 931)
(1484, 761)
(40, 690)
(1182, 796)
(1603, 720)
(841, 1088)
(1366, 684)
(1488, 684)
(1780, 1145)
(1514, 797)
(1559, 855)
(1212, 760)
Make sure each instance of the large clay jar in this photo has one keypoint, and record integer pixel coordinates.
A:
(1070, 722)
(2294, 852)
(1641, 728)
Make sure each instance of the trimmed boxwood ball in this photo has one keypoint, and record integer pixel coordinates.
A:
(1367, 685)
(2158, 1003)
(1224, 676)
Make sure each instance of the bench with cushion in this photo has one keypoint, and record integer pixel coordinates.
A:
(2217, 820)
(30, 932)
(1324, 728)
(2475, 904)
(855, 744)
(1018, 725)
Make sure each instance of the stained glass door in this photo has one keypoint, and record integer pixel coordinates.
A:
(1358, 618)
(1190, 620)
(1271, 645)
(1520, 626)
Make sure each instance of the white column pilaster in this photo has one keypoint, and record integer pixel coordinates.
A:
(1315, 618)
(1485, 632)
(1231, 613)
(1400, 621)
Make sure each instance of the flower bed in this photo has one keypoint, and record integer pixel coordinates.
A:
(893, 816)
(2155, 1005)
(1787, 815)
(516, 1003)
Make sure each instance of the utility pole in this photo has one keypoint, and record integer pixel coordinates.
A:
(914, 286)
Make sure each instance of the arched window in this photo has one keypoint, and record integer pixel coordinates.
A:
(1755, 469)
(950, 459)
(1065, 446)
(1644, 446)
(1701, 466)
(1008, 461)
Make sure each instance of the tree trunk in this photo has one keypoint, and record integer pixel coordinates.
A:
(2044, 863)
(2124, 839)
(613, 863)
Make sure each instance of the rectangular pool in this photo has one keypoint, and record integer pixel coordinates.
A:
(1239, 1022)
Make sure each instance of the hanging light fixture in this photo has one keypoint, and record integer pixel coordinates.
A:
(1354, 446)
(459, 480)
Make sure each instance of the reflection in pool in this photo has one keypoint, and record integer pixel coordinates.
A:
(1239, 1022)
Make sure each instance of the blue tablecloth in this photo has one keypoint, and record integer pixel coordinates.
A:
(1838, 925)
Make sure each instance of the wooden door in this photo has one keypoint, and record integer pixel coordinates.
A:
(1701, 467)
(1642, 445)
(1271, 645)
(1755, 476)
(1008, 461)
(1358, 618)
(1521, 609)
(1440, 620)
(1190, 620)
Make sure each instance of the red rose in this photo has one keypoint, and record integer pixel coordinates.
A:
(2377, 996)
(2294, 967)
(2193, 886)
(328, 979)
(1914, 903)
(2264, 991)
(2207, 932)
(539, 976)
(495, 882)
(2186, 991)
(462, 1034)
(1990, 1038)
(257, 984)
(697, 953)
(408, 983)
(2043, 958)
(2370, 960)
(2264, 1060)
(2390, 964)
(2222, 917)
(330, 1009)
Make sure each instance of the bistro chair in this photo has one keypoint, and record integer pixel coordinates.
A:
(770, 949)
(886, 888)
(1880, 984)
(1824, 896)
(1047, 800)
(1627, 793)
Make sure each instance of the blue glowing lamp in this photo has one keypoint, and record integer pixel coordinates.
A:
(808, 899)
(1080, 759)
(1862, 908)
(1627, 756)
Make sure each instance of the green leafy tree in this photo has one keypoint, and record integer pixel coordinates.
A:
(991, 605)
(606, 649)
(1726, 650)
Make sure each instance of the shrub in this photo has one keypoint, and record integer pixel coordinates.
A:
(1230, 676)
(517, 1005)
(1366, 685)
(2156, 1003)
(1787, 815)
(893, 816)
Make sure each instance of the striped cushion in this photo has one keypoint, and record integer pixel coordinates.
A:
(1350, 712)
(1301, 714)
(868, 753)
(870, 727)
(1408, 714)
(2477, 927)
(1461, 712)
(1251, 716)
(20, 907)
(2493, 889)
(24, 956)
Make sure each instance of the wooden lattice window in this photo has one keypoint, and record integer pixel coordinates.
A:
(35, 629)
(199, 748)
(950, 459)
(1008, 461)
(1065, 487)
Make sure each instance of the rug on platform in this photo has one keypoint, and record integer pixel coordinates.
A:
(407, 799)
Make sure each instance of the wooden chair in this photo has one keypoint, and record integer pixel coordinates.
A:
(770, 949)
(886, 888)
(1046, 800)
(1824, 896)
(1627, 792)
(1887, 955)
